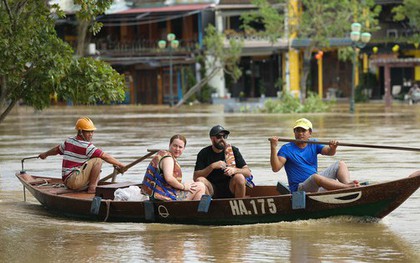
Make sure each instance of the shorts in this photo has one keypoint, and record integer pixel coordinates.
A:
(181, 195)
(309, 185)
(79, 178)
(222, 191)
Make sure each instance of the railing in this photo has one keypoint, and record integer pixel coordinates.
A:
(136, 47)
(128, 48)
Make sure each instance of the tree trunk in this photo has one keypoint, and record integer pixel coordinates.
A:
(81, 37)
(198, 86)
(3, 88)
(7, 110)
(305, 73)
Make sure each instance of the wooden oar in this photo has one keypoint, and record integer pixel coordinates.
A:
(128, 166)
(355, 145)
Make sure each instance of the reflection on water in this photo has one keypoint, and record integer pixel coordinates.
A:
(28, 231)
(40, 235)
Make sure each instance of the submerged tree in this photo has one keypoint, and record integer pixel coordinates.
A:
(313, 21)
(88, 10)
(216, 56)
(35, 63)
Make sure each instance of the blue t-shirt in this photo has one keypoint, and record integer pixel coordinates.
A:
(300, 163)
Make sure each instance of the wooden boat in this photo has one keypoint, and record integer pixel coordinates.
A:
(263, 204)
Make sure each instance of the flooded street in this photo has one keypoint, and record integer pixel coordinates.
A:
(28, 233)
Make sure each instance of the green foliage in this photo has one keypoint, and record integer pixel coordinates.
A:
(216, 55)
(309, 23)
(321, 27)
(32, 58)
(368, 81)
(205, 92)
(269, 16)
(315, 20)
(336, 18)
(35, 63)
(410, 9)
(286, 104)
(89, 10)
(315, 104)
(190, 80)
(346, 54)
(360, 94)
(279, 83)
(91, 81)
(289, 104)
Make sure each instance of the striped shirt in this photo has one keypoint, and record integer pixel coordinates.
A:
(75, 153)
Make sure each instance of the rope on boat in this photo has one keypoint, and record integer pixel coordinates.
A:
(46, 183)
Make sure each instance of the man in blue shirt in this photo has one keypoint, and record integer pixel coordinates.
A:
(300, 160)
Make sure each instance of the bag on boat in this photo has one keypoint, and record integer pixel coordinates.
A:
(132, 193)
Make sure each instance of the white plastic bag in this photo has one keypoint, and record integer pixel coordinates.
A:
(132, 193)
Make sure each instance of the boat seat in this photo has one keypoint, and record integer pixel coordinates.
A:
(106, 191)
(282, 188)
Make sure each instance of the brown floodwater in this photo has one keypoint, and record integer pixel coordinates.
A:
(29, 233)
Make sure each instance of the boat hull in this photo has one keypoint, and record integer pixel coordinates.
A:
(263, 204)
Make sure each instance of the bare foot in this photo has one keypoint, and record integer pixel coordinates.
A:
(416, 173)
(355, 183)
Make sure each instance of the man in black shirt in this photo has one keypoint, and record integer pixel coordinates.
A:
(214, 167)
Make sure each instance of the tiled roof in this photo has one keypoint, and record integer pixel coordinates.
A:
(174, 8)
(242, 2)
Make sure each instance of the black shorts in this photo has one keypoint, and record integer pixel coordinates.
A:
(222, 191)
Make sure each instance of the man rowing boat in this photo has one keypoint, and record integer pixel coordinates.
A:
(82, 161)
(300, 160)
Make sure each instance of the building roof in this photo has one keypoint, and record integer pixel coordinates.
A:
(163, 9)
(388, 2)
(242, 2)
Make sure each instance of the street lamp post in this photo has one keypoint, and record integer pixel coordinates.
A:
(173, 44)
(358, 41)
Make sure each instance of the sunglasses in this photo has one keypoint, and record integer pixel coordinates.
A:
(299, 129)
(219, 136)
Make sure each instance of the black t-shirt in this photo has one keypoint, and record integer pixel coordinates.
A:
(207, 156)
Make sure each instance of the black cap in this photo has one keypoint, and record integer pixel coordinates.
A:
(218, 129)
